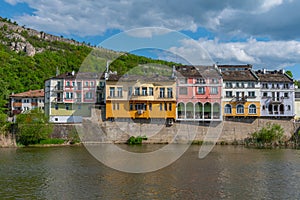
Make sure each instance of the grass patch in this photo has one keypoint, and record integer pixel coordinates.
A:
(52, 141)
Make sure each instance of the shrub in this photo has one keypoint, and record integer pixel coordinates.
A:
(136, 140)
(269, 133)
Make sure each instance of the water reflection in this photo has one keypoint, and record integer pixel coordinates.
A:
(226, 173)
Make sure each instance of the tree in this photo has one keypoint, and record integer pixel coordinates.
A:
(289, 73)
(32, 127)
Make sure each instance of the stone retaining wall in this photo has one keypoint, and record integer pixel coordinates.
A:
(120, 131)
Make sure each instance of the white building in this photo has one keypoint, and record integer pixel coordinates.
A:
(26, 101)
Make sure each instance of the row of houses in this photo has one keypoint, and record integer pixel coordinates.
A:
(188, 93)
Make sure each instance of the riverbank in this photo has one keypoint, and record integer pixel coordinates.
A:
(233, 132)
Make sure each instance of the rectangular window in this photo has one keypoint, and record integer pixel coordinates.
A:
(129, 92)
(67, 107)
(151, 91)
(144, 106)
(79, 85)
(69, 95)
(170, 92)
(286, 95)
(214, 81)
(131, 106)
(170, 106)
(265, 86)
(200, 81)
(112, 92)
(228, 85)
(118, 106)
(286, 86)
(120, 91)
(92, 83)
(228, 94)
(251, 94)
(137, 91)
(56, 107)
(114, 106)
(73, 83)
(183, 90)
(86, 83)
(213, 90)
(144, 91)
(265, 94)
(251, 85)
(160, 107)
(183, 80)
(68, 84)
(88, 95)
(150, 106)
(200, 90)
(162, 92)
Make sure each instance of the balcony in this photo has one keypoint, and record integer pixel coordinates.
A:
(58, 100)
(17, 104)
(240, 99)
(277, 100)
(58, 88)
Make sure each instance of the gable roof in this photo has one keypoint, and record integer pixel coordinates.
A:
(273, 76)
(239, 75)
(30, 94)
(197, 71)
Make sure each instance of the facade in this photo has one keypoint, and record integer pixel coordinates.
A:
(199, 91)
(241, 92)
(297, 104)
(140, 97)
(26, 101)
(277, 94)
(70, 96)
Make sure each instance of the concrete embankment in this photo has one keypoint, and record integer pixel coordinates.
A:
(156, 132)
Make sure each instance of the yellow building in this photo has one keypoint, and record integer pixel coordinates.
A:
(140, 97)
(241, 93)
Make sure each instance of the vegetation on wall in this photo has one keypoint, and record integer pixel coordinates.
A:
(33, 127)
(268, 134)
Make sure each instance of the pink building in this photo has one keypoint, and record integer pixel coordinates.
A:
(198, 93)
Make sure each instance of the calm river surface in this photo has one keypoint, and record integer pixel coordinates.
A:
(228, 172)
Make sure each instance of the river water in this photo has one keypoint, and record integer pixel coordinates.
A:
(228, 172)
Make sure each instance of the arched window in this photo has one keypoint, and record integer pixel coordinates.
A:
(240, 109)
(181, 110)
(190, 110)
(228, 109)
(252, 109)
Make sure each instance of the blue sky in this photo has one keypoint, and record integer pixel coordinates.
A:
(264, 33)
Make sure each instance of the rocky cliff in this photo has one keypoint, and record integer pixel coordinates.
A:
(16, 38)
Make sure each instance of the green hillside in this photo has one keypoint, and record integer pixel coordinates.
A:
(28, 57)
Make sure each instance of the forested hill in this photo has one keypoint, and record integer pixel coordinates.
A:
(28, 57)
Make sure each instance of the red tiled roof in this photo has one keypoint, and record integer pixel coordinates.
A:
(30, 93)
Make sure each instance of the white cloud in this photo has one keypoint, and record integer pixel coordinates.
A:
(147, 32)
(271, 54)
(86, 18)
